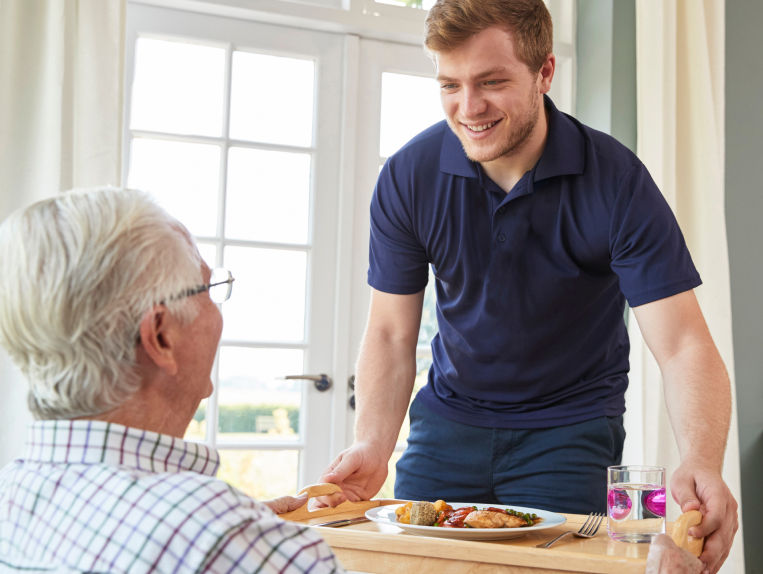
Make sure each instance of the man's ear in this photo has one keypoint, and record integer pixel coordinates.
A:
(546, 74)
(158, 338)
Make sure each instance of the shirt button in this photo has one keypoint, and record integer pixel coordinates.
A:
(501, 237)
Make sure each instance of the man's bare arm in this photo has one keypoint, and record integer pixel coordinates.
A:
(697, 388)
(386, 371)
(386, 367)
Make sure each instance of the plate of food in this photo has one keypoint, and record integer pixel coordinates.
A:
(464, 520)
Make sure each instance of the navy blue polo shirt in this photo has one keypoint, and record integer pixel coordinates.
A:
(531, 285)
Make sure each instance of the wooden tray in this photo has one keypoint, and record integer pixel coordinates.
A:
(346, 509)
(378, 548)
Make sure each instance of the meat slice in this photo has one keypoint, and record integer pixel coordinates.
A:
(492, 519)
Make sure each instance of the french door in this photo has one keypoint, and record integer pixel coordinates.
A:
(235, 127)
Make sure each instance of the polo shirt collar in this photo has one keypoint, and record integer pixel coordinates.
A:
(564, 153)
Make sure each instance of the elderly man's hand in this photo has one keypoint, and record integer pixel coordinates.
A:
(286, 503)
(665, 557)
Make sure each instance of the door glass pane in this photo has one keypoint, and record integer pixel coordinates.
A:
(255, 401)
(197, 428)
(409, 104)
(178, 87)
(428, 327)
(388, 488)
(262, 474)
(207, 252)
(563, 78)
(183, 176)
(268, 196)
(271, 284)
(272, 99)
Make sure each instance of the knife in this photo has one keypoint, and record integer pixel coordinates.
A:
(345, 522)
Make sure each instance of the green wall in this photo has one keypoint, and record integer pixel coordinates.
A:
(744, 210)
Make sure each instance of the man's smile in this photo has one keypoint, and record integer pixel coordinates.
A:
(477, 128)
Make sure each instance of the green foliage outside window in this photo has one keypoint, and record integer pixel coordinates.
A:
(247, 418)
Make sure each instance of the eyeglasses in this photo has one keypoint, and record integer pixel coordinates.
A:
(220, 286)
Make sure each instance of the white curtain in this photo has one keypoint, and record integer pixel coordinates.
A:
(61, 85)
(680, 78)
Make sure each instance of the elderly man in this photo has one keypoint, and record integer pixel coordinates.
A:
(110, 312)
(665, 557)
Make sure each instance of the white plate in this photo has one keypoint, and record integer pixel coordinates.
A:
(386, 515)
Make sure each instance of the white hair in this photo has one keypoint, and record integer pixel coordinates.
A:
(77, 274)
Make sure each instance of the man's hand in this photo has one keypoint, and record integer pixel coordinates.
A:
(286, 503)
(695, 487)
(359, 471)
(667, 558)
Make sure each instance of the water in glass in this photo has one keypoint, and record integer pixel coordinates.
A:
(636, 503)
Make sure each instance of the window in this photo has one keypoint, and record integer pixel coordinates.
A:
(265, 139)
(232, 126)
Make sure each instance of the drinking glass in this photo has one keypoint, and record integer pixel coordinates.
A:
(635, 502)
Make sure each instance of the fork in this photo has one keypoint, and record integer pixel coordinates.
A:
(588, 530)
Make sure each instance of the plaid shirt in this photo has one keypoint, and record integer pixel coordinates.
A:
(92, 496)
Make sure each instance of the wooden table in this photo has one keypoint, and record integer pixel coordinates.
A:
(385, 549)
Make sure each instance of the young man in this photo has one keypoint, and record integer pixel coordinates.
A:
(538, 229)
(110, 312)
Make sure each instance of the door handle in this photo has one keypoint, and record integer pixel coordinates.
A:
(322, 382)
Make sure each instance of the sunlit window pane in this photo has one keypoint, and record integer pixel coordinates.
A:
(178, 87)
(255, 401)
(409, 105)
(261, 474)
(560, 92)
(207, 252)
(268, 196)
(269, 301)
(182, 176)
(428, 328)
(272, 99)
(388, 488)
